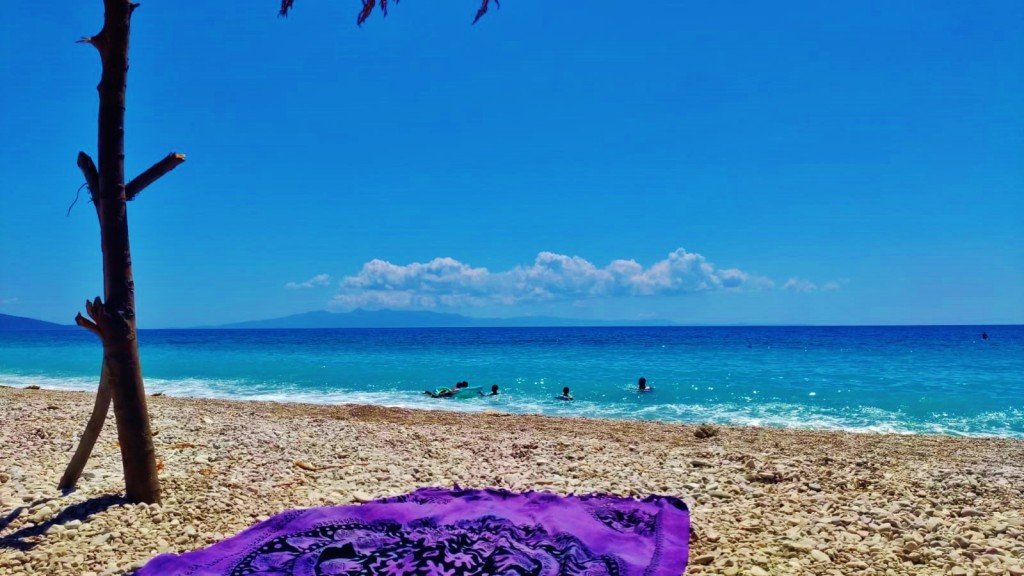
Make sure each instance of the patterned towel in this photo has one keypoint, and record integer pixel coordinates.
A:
(440, 532)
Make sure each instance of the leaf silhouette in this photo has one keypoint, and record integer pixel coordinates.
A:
(483, 9)
(367, 9)
(368, 6)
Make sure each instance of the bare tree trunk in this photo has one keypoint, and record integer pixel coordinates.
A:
(115, 317)
(92, 432)
(120, 346)
(113, 320)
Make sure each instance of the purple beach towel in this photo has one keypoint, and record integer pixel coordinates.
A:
(440, 532)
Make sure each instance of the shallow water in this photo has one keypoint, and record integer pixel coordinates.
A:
(905, 379)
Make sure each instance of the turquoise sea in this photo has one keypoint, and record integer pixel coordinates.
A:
(905, 379)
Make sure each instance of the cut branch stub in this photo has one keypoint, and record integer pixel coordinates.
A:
(95, 311)
(96, 41)
(92, 177)
(140, 182)
(88, 325)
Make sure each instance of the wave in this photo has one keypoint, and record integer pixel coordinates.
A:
(1008, 423)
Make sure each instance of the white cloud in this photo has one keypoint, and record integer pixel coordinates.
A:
(799, 285)
(446, 282)
(6, 301)
(318, 280)
(804, 286)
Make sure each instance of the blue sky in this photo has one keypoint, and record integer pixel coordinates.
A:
(744, 162)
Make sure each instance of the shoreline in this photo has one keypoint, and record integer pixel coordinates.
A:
(782, 501)
(468, 408)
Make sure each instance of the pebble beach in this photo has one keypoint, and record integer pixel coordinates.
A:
(762, 500)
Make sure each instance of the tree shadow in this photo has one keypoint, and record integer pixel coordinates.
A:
(6, 520)
(83, 510)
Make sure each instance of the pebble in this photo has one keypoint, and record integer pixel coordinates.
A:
(763, 501)
(703, 560)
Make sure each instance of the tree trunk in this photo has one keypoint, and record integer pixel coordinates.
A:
(92, 431)
(117, 315)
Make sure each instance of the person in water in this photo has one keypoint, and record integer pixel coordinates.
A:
(642, 385)
(565, 394)
(494, 391)
(448, 392)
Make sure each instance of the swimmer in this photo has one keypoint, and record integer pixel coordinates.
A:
(447, 392)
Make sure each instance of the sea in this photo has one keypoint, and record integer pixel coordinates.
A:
(956, 380)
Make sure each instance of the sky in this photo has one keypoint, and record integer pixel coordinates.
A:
(697, 162)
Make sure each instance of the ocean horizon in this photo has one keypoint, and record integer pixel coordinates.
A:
(894, 379)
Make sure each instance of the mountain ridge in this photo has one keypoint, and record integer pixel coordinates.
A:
(18, 323)
(360, 318)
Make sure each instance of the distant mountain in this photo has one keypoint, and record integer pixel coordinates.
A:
(8, 322)
(419, 319)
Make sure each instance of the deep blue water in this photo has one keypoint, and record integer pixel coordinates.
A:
(909, 379)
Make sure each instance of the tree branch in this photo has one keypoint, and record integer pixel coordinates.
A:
(91, 433)
(88, 325)
(139, 183)
(92, 177)
(98, 41)
(94, 309)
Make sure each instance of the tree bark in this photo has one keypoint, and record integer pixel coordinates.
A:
(116, 317)
(92, 432)
(140, 182)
